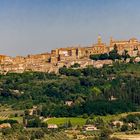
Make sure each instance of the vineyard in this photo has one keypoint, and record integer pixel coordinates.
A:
(53, 136)
(74, 120)
(56, 136)
(7, 112)
(4, 116)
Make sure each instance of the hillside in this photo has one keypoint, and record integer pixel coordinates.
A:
(110, 90)
(71, 99)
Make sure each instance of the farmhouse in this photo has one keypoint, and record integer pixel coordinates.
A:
(5, 125)
(89, 128)
(52, 126)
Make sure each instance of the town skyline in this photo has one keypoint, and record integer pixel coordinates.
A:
(60, 57)
(32, 27)
(92, 44)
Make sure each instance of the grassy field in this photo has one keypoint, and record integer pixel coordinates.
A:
(74, 121)
(82, 121)
(115, 117)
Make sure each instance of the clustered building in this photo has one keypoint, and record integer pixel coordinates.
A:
(51, 62)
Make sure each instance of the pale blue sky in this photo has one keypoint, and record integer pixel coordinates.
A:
(36, 26)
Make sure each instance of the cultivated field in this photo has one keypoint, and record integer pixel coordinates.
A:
(74, 121)
(81, 121)
(124, 136)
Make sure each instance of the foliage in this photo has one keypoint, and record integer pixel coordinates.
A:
(105, 134)
(75, 65)
(37, 134)
(90, 89)
(113, 55)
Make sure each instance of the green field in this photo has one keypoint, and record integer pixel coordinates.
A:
(74, 121)
(82, 121)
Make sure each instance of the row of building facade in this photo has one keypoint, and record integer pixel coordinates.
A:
(66, 54)
(48, 62)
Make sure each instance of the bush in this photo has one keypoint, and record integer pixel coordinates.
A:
(105, 134)
(7, 131)
(38, 134)
(85, 116)
(21, 137)
(124, 128)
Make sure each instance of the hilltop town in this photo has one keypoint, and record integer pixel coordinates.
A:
(51, 62)
(79, 101)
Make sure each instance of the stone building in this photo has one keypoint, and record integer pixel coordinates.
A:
(98, 48)
(51, 62)
(73, 53)
(132, 46)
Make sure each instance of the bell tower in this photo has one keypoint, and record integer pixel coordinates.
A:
(99, 39)
(111, 41)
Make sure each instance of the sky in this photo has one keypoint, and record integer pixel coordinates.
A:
(38, 26)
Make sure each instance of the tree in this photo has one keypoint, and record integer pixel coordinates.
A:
(7, 131)
(124, 128)
(103, 56)
(88, 121)
(17, 127)
(114, 53)
(96, 92)
(70, 72)
(79, 101)
(63, 70)
(44, 124)
(92, 116)
(94, 57)
(85, 116)
(99, 123)
(125, 55)
(105, 134)
(33, 122)
(69, 124)
(38, 134)
(75, 65)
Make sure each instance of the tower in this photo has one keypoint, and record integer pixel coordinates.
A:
(111, 41)
(99, 39)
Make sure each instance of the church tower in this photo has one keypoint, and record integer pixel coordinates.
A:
(99, 39)
(111, 41)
